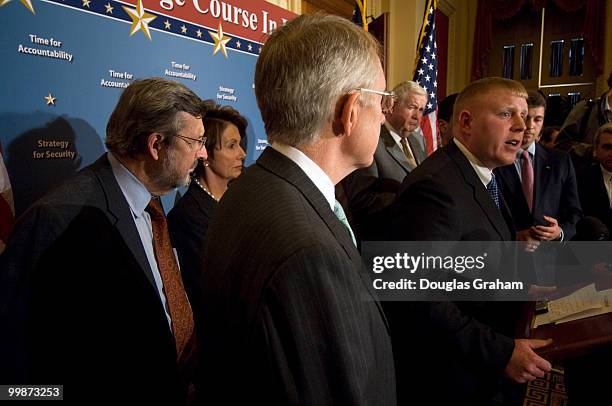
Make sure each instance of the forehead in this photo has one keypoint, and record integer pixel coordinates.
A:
(413, 98)
(230, 132)
(191, 123)
(536, 111)
(499, 98)
(605, 138)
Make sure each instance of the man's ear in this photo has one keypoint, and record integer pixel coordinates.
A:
(465, 121)
(346, 114)
(154, 144)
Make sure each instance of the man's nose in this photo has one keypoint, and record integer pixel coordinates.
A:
(202, 153)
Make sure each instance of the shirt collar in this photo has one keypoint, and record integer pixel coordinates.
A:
(136, 194)
(484, 173)
(311, 169)
(393, 133)
(531, 149)
(606, 174)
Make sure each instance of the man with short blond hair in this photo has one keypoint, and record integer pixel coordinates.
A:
(453, 196)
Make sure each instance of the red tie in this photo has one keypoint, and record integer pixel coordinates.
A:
(178, 304)
(527, 178)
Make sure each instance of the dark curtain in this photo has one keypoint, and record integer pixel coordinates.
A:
(488, 10)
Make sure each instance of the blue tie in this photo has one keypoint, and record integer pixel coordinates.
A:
(493, 190)
(339, 212)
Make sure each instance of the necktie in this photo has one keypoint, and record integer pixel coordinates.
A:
(527, 178)
(178, 304)
(407, 152)
(493, 190)
(339, 212)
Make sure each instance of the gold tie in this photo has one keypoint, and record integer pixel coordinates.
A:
(180, 310)
(407, 152)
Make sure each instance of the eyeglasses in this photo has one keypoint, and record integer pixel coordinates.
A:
(388, 98)
(199, 141)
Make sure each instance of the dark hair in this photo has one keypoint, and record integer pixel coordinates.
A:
(147, 106)
(445, 108)
(547, 133)
(216, 121)
(535, 99)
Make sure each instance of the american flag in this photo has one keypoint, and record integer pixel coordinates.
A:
(426, 75)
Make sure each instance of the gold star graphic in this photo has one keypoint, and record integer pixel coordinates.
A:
(50, 100)
(27, 3)
(199, 33)
(183, 29)
(167, 24)
(220, 40)
(109, 8)
(140, 19)
(86, 3)
(238, 44)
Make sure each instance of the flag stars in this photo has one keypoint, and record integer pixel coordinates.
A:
(86, 3)
(429, 105)
(431, 10)
(109, 8)
(199, 33)
(430, 66)
(421, 71)
(424, 60)
(238, 44)
(167, 24)
(183, 29)
(428, 48)
(427, 78)
(250, 47)
(433, 95)
(435, 83)
(433, 55)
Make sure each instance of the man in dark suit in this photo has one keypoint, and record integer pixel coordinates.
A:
(288, 315)
(91, 292)
(595, 182)
(540, 185)
(456, 353)
(400, 149)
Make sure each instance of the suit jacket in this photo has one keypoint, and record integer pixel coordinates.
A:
(288, 313)
(371, 190)
(455, 353)
(79, 298)
(594, 196)
(188, 223)
(555, 192)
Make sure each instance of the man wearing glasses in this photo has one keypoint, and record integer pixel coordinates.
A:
(289, 316)
(91, 290)
(400, 149)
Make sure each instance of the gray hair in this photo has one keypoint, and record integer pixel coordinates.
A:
(304, 67)
(405, 89)
(147, 106)
(605, 128)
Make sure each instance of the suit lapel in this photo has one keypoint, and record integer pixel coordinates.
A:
(541, 176)
(481, 195)
(120, 215)
(394, 150)
(416, 147)
(283, 167)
